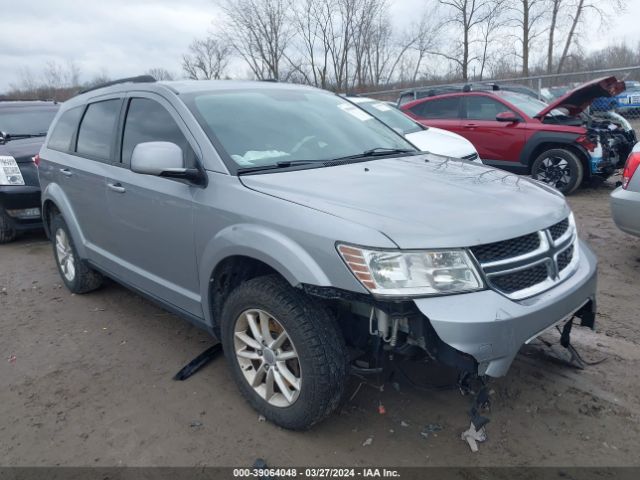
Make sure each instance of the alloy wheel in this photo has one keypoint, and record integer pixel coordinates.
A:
(267, 357)
(554, 171)
(64, 254)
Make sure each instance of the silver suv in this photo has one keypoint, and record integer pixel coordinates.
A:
(305, 235)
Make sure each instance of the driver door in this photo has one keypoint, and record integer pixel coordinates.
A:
(152, 243)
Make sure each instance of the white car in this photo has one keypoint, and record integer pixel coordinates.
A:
(428, 139)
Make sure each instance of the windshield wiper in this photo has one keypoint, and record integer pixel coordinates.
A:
(276, 166)
(375, 152)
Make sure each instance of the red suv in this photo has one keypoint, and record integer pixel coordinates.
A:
(557, 143)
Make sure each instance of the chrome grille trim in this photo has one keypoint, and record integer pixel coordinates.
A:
(548, 253)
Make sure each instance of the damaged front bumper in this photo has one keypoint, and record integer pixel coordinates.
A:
(491, 328)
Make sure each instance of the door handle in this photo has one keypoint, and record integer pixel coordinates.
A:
(470, 125)
(116, 187)
(66, 172)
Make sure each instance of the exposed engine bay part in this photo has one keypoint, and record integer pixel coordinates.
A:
(613, 139)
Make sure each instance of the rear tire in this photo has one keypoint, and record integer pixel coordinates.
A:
(315, 374)
(75, 272)
(559, 168)
(7, 232)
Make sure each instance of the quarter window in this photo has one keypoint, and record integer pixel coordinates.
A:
(64, 129)
(148, 121)
(444, 108)
(95, 138)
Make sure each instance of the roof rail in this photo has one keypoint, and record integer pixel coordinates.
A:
(138, 79)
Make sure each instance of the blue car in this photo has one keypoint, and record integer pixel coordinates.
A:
(626, 101)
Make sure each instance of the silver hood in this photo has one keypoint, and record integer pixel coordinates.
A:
(422, 201)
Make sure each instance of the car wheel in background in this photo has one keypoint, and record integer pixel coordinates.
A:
(75, 273)
(7, 232)
(559, 168)
(286, 352)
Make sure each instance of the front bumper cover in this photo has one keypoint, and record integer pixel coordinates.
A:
(492, 328)
(20, 197)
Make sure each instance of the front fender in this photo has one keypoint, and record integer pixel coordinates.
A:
(55, 194)
(280, 252)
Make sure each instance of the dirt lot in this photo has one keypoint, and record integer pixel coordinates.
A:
(86, 380)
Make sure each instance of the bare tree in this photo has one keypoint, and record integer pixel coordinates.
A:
(160, 73)
(419, 41)
(489, 30)
(466, 16)
(527, 16)
(207, 59)
(554, 6)
(579, 11)
(259, 31)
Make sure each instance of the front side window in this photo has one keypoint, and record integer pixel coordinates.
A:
(484, 108)
(264, 126)
(148, 121)
(64, 129)
(96, 135)
(441, 108)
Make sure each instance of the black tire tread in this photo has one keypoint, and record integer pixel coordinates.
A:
(86, 279)
(323, 340)
(7, 232)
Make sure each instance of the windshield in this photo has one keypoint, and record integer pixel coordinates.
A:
(530, 106)
(265, 126)
(27, 121)
(392, 117)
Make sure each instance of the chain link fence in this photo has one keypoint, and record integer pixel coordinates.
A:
(546, 88)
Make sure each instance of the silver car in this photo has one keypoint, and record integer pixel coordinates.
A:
(305, 234)
(625, 200)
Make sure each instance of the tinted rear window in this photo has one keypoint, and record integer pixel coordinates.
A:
(438, 108)
(26, 120)
(96, 135)
(64, 129)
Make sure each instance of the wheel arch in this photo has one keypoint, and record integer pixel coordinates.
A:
(54, 201)
(242, 252)
(543, 141)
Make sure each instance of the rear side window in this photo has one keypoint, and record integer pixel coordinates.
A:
(64, 129)
(96, 135)
(438, 108)
(148, 121)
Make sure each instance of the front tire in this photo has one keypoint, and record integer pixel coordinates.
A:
(7, 232)
(286, 352)
(559, 168)
(75, 273)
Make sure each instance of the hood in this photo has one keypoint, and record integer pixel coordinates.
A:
(22, 149)
(441, 142)
(422, 201)
(576, 100)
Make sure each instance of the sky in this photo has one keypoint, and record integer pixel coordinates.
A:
(121, 38)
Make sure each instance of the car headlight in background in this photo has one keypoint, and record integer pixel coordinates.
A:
(412, 273)
(9, 171)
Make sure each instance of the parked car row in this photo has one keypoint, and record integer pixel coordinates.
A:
(310, 233)
(555, 143)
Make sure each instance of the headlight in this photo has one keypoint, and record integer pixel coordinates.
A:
(9, 171)
(412, 273)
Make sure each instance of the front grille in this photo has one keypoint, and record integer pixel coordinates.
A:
(564, 259)
(515, 281)
(492, 252)
(559, 229)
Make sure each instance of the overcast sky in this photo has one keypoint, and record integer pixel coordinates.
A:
(126, 37)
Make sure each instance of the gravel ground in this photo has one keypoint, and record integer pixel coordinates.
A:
(86, 380)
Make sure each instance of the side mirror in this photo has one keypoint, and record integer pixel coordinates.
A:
(154, 158)
(508, 117)
(163, 159)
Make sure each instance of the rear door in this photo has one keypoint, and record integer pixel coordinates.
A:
(151, 245)
(442, 112)
(495, 141)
